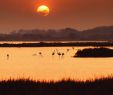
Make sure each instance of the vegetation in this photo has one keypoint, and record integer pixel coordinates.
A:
(95, 52)
(27, 87)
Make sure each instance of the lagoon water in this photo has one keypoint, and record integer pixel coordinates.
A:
(28, 63)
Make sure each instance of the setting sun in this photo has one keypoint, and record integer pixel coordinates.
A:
(43, 10)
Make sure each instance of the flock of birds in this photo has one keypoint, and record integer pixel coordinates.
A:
(55, 52)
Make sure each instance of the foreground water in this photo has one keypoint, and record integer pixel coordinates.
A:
(28, 63)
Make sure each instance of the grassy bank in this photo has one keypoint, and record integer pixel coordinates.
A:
(27, 87)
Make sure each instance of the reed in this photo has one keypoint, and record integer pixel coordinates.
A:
(103, 86)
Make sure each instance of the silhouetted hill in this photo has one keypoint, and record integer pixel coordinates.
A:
(99, 33)
(68, 34)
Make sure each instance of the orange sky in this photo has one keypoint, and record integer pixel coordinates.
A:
(79, 14)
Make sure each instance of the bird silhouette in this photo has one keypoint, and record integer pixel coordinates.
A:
(59, 54)
(63, 54)
(53, 53)
(73, 48)
(7, 56)
(68, 50)
(40, 53)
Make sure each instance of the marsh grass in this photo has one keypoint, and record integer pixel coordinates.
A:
(103, 86)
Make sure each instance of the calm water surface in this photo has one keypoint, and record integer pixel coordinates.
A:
(28, 63)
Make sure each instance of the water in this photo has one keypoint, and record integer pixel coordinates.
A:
(28, 63)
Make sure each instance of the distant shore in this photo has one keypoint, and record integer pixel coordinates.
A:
(103, 86)
(57, 44)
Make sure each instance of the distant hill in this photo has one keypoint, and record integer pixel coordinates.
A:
(99, 33)
(96, 34)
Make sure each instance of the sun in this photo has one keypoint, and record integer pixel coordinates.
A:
(43, 10)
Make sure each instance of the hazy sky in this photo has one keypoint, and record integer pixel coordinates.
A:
(79, 14)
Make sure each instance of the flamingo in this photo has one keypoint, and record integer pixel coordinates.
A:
(7, 56)
(53, 53)
(68, 50)
(59, 54)
(63, 54)
(40, 53)
(73, 48)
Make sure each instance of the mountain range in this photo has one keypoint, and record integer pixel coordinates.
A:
(104, 33)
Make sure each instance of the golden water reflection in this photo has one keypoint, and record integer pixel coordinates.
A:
(28, 63)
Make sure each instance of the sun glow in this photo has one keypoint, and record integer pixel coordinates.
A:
(43, 10)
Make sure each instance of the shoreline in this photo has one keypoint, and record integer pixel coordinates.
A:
(59, 44)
